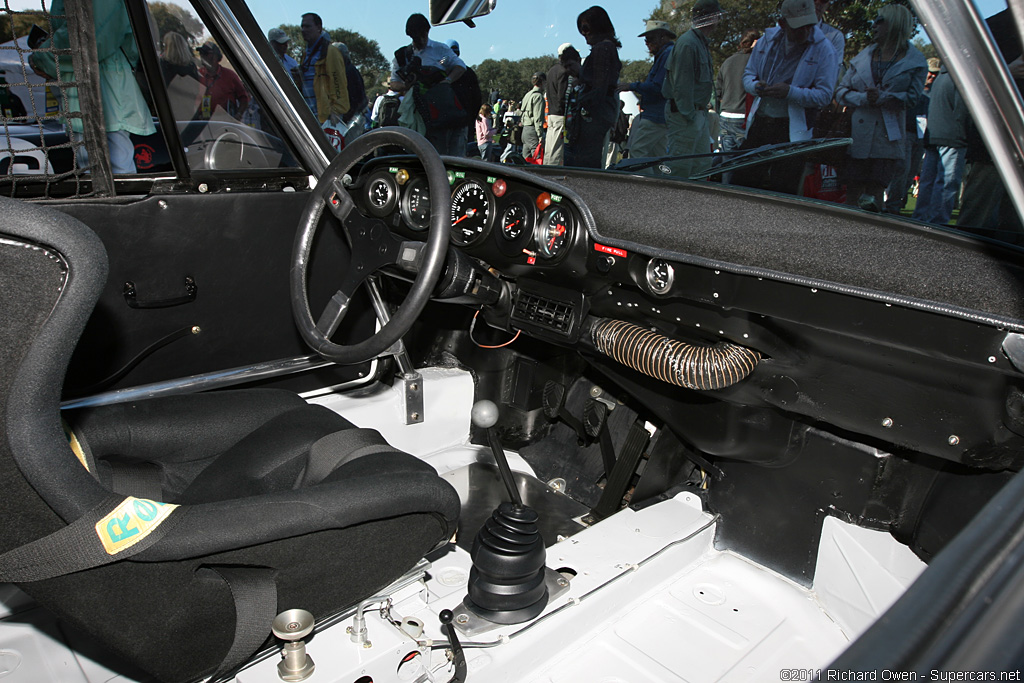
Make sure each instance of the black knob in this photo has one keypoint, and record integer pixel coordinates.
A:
(446, 616)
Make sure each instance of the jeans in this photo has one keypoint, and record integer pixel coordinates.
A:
(939, 186)
(734, 131)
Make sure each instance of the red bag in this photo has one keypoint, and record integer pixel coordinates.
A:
(537, 155)
(334, 136)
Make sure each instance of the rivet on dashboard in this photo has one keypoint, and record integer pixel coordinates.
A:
(715, 295)
(813, 290)
(991, 359)
(953, 440)
(887, 422)
(203, 187)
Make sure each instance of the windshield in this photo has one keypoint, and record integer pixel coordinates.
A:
(845, 102)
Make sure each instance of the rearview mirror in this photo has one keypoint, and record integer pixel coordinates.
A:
(451, 11)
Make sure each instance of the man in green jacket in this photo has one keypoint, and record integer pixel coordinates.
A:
(533, 114)
(688, 89)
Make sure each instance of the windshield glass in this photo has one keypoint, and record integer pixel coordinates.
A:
(845, 101)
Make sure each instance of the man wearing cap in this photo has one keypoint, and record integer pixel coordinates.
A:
(324, 84)
(533, 113)
(560, 80)
(649, 137)
(280, 41)
(688, 89)
(792, 73)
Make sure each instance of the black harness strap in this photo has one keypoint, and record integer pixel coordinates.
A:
(254, 592)
(72, 548)
(334, 450)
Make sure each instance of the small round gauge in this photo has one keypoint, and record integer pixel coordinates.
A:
(514, 221)
(554, 231)
(472, 211)
(381, 195)
(660, 275)
(416, 204)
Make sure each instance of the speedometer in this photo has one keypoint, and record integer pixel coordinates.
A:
(554, 232)
(472, 211)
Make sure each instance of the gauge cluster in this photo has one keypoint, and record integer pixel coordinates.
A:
(521, 222)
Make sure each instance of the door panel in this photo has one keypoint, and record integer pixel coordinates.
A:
(236, 248)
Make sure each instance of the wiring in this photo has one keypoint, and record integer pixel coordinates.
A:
(472, 326)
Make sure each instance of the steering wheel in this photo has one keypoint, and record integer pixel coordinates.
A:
(373, 248)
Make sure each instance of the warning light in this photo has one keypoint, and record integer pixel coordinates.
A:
(543, 201)
(500, 187)
(402, 176)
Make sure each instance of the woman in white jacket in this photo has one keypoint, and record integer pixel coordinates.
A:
(883, 81)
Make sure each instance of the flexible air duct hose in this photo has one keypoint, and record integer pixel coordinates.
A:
(675, 362)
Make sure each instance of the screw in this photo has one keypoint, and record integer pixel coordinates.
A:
(414, 387)
(562, 582)
(367, 645)
(595, 391)
(415, 416)
(294, 626)
(887, 422)
(991, 359)
(203, 187)
(196, 329)
(462, 619)
(162, 204)
(716, 295)
(954, 440)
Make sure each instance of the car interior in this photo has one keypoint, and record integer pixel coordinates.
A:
(271, 413)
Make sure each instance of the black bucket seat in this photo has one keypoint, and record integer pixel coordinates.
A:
(172, 530)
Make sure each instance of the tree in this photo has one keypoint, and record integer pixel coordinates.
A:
(14, 25)
(511, 79)
(635, 70)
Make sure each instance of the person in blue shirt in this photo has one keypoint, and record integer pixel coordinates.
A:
(649, 137)
(426, 57)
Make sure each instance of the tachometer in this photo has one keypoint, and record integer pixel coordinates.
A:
(416, 204)
(554, 232)
(514, 220)
(472, 211)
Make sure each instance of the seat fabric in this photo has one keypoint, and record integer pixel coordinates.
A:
(238, 463)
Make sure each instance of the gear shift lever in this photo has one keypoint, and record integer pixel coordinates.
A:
(506, 583)
(485, 416)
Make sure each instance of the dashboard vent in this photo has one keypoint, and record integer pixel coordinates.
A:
(543, 312)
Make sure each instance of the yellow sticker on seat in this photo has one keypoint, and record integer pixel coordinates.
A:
(130, 522)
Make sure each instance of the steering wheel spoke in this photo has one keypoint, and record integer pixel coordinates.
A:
(373, 247)
(340, 202)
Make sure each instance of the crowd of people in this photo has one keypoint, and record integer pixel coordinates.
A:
(908, 123)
